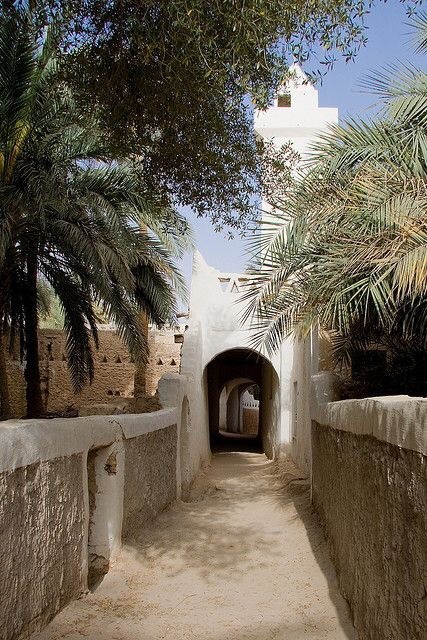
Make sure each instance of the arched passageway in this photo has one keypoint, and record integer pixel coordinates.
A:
(243, 402)
(239, 408)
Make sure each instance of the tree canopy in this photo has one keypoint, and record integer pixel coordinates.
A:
(173, 81)
(348, 248)
(74, 215)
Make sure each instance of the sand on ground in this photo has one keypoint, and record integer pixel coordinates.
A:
(245, 559)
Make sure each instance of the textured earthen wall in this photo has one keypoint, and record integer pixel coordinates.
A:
(326, 361)
(150, 478)
(114, 370)
(165, 356)
(69, 490)
(16, 388)
(42, 536)
(250, 421)
(372, 499)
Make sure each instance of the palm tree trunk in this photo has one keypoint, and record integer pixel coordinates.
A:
(140, 377)
(5, 407)
(32, 370)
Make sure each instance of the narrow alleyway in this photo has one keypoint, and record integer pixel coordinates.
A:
(244, 560)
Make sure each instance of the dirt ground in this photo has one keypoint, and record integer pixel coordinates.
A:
(244, 560)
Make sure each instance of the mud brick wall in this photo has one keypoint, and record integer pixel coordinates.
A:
(114, 370)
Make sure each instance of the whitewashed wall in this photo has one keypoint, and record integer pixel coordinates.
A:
(369, 487)
(72, 491)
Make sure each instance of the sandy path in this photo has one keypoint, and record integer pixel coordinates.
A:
(245, 560)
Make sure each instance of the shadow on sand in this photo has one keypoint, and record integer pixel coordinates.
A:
(208, 534)
(221, 567)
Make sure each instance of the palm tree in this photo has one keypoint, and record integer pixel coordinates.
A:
(349, 247)
(71, 214)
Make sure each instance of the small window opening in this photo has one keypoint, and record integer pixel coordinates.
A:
(224, 282)
(284, 100)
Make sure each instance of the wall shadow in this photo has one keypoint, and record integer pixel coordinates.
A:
(291, 486)
(234, 442)
(209, 556)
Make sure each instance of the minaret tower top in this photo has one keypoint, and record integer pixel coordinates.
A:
(298, 91)
(295, 115)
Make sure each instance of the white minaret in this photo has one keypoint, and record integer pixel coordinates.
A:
(295, 115)
(297, 118)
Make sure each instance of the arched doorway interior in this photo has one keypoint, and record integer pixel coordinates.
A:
(243, 401)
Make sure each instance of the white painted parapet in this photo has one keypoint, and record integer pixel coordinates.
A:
(23, 442)
(369, 488)
(71, 490)
(399, 420)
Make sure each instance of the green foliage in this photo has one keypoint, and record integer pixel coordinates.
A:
(99, 236)
(49, 307)
(278, 165)
(349, 247)
(172, 82)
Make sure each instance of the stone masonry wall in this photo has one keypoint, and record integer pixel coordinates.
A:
(150, 479)
(114, 370)
(372, 499)
(42, 536)
(70, 490)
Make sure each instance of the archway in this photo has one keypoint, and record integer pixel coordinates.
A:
(243, 394)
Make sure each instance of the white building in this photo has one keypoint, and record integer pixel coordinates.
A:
(217, 353)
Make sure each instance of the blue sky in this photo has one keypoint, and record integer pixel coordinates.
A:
(388, 41)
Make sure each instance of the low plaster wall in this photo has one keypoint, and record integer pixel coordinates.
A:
(42, 538)
(70, 489)
(150, 479)
(369, 484)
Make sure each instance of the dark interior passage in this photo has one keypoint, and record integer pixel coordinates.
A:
(240, 396)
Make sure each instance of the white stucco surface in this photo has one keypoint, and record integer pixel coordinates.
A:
(299, 123)
(107, 513)
(215, 325)
(23, 442)
(174, 391)
(399, 420)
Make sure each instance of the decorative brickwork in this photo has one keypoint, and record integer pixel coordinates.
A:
(165, 356)
(114, 370)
